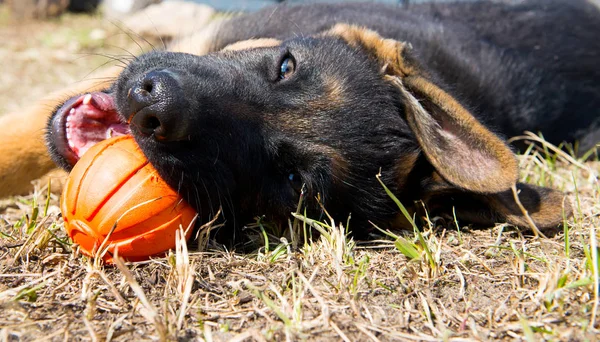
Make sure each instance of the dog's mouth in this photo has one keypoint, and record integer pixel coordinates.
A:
(82, 122)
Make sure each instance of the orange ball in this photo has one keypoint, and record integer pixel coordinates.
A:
(113, 184)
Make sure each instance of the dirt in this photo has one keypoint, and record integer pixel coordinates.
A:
(499, 283)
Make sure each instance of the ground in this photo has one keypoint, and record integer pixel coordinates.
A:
(446, 282)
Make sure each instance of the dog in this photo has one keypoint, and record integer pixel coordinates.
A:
(314, 101)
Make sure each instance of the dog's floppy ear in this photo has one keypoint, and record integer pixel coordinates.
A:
(460, 148)
(474, 170)
(545, 207)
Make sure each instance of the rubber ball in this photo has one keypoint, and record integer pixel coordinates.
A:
(114, 185)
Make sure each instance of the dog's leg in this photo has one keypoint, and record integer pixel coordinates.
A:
(24, 155)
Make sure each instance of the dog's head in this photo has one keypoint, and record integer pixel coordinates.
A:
(249, 127)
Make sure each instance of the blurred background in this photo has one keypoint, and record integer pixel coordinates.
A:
(47, 44)
(46, 8)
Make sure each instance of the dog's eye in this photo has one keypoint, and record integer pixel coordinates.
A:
(296, 182)
(287, 68)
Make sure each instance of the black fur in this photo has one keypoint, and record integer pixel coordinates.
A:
(248, 139)
(531, 66)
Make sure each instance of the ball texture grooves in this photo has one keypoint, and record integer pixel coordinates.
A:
(113, 184)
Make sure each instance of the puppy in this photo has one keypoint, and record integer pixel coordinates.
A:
(316, 100)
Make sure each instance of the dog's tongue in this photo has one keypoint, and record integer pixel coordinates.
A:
(91, 120)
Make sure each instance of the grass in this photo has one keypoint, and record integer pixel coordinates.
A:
(440, 281)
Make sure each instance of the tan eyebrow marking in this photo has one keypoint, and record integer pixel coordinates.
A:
(252, 44)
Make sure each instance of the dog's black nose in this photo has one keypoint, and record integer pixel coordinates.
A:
(157, 103)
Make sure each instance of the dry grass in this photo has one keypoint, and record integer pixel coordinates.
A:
(447, 282)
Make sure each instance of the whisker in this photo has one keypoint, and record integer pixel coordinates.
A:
(98, 67)
(114, 22)
(157, 33)
(212, 211)
(114, 58)
(153, 48)
(133, 56)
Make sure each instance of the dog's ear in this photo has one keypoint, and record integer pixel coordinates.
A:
(460, 148)
(473, 169)
(545, 207)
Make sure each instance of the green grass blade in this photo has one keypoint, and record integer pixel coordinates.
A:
(411, 220)
(407, 248)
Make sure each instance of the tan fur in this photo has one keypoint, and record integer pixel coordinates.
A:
(339, 167)
(24, 155)
(334, 90)
(543, 211)
(332, 97)
(390, 52)
(472, 158)
(404, 166)
(545, 207)
(480, 144)
(252, 44)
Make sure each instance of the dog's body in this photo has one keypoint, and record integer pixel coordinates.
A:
(328, 96)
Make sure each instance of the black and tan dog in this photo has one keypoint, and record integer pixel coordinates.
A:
(245, 113)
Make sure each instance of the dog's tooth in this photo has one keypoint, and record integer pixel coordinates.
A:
(109, 133)
(69, 141)
(68, 120)
(87, 99)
